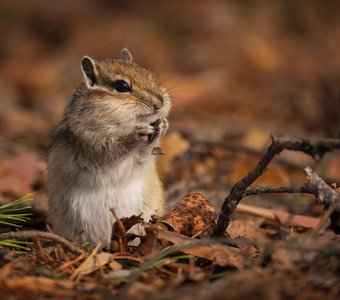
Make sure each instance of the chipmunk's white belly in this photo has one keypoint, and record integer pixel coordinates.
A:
(120, 189)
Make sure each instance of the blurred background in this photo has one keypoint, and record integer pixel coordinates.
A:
(238, 71)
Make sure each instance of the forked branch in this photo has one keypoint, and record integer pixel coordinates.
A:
(315, 148)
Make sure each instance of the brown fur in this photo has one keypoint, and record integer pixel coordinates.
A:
(100, 157)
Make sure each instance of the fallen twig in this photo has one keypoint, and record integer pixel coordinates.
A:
(327, 196)
(272, 190)
(120, 231)
(77, 274)
(279, 216)
(320, 189)
(314, 148)
(35, 234)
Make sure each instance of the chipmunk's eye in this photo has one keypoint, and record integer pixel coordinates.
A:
(121, 86)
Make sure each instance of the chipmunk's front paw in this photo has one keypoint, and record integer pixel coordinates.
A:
(149, 132)
(144, 131)
(161, 126)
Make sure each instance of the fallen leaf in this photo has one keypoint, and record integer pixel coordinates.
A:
(149, 245)
(216, 252)
(193, 214)
(28, 285)
(119, 237)
(247, 228)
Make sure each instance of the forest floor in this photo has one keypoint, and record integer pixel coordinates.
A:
(233, 87)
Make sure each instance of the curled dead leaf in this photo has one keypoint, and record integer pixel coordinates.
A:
(192, 215)
(120, 237)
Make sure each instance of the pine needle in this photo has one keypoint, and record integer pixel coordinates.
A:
(8, 214)
(15, 244)
(6, 211)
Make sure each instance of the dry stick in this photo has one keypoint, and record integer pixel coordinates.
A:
(122, 241)
(78, 273)
(35, 234)
(274, 216)
(327, 196)
(315, 148)
(273, 190)
(323, 222)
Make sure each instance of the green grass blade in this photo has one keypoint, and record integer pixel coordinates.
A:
(10, 224)
(15, 244)
(8, 214)
(22, 200)
(15, 217)
(15, 209)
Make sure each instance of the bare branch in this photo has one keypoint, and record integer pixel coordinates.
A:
(270, 190)
(320, 189)
(327, 196)
(35, 234)
(315, 148)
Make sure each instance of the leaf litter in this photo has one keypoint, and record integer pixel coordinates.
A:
(225, 108)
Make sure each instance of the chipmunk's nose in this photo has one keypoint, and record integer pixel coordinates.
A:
(158, 102)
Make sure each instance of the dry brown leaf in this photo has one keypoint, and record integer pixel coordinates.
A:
(120, 237)
(149, 245)
(27, 285)
(218, 253)
(128, 223)
(247, 228)
(193, 214)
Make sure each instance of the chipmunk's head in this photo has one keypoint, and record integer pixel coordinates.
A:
(115, 95)
(123, 89)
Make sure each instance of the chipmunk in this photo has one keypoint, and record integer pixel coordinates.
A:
(101, 157)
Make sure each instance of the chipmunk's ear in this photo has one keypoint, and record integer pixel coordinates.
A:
(90, 72)
(126, 55)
